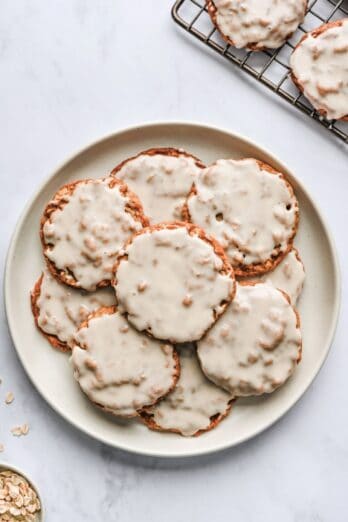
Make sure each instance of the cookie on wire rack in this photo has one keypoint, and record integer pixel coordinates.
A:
(319, 69)
(256, 24)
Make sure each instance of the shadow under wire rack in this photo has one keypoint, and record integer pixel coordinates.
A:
(270, 67)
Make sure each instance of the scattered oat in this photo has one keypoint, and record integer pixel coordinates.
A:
(1, 448)
(25, 429)
(18, 500)
(9, 398)
(18, 431)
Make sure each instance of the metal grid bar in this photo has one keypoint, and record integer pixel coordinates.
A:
(271, 68)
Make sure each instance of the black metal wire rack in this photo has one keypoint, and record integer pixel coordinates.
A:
(271, 68)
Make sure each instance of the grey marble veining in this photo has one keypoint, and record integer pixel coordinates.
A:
(71, 71)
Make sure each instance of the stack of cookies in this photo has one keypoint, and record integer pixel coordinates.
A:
(173, 285)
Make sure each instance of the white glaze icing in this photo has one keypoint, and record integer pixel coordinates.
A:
(190, 406)
(171, 284)
(264, 23)
(119, 368)
(320, 64)
(62, 308)
(161, 182)
(245, 208)
(255, 345)
(86, 235)
(288, 276)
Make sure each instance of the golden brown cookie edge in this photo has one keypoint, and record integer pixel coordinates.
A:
(148, 420)
(52, 339)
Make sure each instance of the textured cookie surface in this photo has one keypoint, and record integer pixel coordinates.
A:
(288, 276)
(257, 24)
(162, 179)
(59, 309)
(83, 228)
(256, 345)
(249, 208)
(173, 282)
(194, 406)
(120, 369)
(319, 66)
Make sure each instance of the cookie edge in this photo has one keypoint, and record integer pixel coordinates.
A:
(161, 151)
(148, 420)
(52, 339)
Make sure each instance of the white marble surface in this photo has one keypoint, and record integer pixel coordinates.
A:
(70, 71)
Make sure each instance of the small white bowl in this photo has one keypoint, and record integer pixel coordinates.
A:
(4, 466)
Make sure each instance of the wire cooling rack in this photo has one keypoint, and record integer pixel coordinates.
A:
(271, 68)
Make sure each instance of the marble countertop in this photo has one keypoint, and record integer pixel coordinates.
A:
(71, 71)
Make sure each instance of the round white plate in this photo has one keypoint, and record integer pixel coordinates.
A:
(49, 370)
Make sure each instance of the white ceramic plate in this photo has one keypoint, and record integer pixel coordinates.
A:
(49, 370)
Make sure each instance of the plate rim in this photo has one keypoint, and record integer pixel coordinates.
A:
(112, 135)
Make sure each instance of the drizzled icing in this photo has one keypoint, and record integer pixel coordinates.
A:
(288, 276)
(320, 65)
(120, 369)
(162, 183)
(260, 23)
(171, 284)
(250, 211)
(62, 309)
(86, 234)
(190, 407)
(255, 346)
